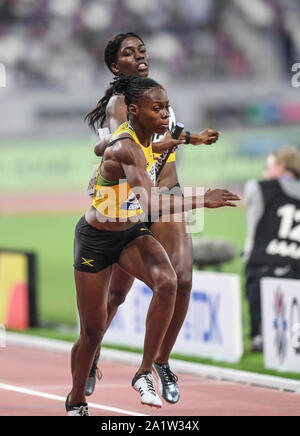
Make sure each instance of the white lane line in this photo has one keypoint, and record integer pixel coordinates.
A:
(26, 391)
(191, 368)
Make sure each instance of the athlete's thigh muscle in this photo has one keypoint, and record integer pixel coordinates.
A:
(120, 280)
(92, 292)
(145, 259)
(177, 242)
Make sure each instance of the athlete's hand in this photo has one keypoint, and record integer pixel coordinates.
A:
(166, 143)
(207, 136)
(219, 198)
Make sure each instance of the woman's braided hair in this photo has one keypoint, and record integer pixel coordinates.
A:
(97, 116)
(133, 87)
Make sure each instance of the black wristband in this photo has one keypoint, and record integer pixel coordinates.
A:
(187, 137)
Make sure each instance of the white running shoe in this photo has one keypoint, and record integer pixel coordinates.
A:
(80, 409)
(144, 384)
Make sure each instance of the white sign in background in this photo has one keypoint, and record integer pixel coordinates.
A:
(280, 300)
(213, 325)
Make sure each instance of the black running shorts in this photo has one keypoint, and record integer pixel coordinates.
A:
(95, 250)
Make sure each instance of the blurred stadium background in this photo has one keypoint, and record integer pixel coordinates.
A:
(225, 64)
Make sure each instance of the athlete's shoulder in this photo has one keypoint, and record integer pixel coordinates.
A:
(116, 102)
(126, 150)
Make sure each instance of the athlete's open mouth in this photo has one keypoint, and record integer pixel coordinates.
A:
(142, 67)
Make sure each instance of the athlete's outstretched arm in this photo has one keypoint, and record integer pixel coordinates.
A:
(166, 143)
(168, 177)
(116, 114)
(207, 136)
(132, 161)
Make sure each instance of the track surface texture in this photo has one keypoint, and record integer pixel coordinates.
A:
(35, 382)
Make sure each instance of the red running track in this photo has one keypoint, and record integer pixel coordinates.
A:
(35, 382)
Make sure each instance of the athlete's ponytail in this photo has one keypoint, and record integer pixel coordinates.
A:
(96, 117)
(133, 87)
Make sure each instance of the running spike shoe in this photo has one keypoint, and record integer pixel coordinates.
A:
(167, 382)
(80, 409)
(94, 374)
(144, 384)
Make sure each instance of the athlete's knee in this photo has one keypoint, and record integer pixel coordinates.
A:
(92, 334)
(166, 282)
(184, 283)
(116, 297)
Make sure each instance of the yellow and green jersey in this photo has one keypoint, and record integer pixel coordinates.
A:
(115, 199)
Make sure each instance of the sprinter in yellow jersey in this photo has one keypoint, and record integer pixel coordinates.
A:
(126, 53)
(115, 199)
(101, 241)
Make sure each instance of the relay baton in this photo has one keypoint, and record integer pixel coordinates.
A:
(165, 155)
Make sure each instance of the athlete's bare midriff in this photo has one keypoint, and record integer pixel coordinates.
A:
(94, 219)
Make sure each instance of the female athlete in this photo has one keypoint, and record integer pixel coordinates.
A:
(112, 231)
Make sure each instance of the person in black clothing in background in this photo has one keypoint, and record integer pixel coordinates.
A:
(272, 246)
